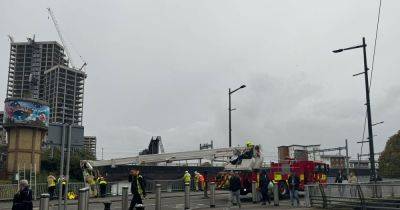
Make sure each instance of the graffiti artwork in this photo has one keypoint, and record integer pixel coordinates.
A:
(17, 111)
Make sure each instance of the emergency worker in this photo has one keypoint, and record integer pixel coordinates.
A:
(103, 186)
(201, 181)
(196, 181)
(51, 185)
(61, 180)
(138, 187)
(187, 177)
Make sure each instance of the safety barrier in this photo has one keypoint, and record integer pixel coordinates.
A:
(362, 195)
(7, 191)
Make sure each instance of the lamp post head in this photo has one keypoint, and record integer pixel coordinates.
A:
(243, 86)
(338, 51)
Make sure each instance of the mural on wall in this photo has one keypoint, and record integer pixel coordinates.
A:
(26, 112)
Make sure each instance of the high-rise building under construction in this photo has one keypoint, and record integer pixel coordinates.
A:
(39, 70)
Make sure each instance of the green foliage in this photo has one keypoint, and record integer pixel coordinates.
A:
(51, 162)
(389, 161)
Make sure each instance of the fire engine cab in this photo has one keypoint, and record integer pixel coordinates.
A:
(309, 172)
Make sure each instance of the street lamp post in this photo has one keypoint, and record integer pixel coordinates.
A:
(368, 104)
(230, 110)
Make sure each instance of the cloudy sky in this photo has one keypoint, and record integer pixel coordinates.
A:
(164, 68)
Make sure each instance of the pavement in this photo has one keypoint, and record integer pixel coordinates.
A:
(169, 201)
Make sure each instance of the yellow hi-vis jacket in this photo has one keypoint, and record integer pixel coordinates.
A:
(187, 177)
(51, 181)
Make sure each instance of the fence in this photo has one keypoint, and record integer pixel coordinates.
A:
(7, 191)
(385, 195)
(115, 188)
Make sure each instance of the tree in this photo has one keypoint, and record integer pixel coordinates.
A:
(389, 161)
(51, 162)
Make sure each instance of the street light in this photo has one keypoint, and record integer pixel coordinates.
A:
(370, 134)
(230, 110)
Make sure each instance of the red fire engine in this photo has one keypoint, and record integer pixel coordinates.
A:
(309, 172)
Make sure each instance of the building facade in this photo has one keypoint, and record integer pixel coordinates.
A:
(89, 144)
(39, 70)
(28, 62)
(64, 88)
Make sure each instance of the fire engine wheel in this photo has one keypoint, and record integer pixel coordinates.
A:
(283, 189)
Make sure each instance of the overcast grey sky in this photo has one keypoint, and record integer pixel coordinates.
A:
(164, 68)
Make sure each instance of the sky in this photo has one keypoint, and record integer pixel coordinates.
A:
(163, 68)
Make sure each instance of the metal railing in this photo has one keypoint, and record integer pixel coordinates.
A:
(385, 195)
(7, 191)
(115, 188)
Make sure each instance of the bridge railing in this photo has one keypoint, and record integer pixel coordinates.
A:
(360, 195)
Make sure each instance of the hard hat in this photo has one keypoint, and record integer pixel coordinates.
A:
(249, 143)
(195, 172)
(186, 171)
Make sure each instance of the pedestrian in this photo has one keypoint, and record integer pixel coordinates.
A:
(340, 179)
(51, 185)
(294, 185)
(138, 187)
(196, 181)
(234, 188)
(264, 183)
(23, 198)
(352, 181)
(103, 187)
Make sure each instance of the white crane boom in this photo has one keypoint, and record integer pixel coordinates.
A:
(209, 154)
(53, 18)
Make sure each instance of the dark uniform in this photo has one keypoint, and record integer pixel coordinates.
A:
(138, 187)
(23, 200)
(264, 183)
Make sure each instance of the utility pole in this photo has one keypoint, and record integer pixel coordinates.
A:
(230, 119)
(369, 118)
(102, 153)
(230, 114)
(60, 191)
(368, 104)
(347, 159)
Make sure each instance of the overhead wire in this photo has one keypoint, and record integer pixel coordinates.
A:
(372, 69)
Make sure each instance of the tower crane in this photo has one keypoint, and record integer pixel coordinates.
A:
(53, 18)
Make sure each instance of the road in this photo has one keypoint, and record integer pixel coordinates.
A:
(170, 201)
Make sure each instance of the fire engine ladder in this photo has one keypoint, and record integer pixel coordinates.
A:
(210, 154)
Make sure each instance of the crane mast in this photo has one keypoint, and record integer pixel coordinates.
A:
(53, 18)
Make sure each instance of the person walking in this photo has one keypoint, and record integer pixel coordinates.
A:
(51, 185)
(196, 181)
(264, 183)
(234, 187)
(138, 187)
(294, 185)
(23, 198)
